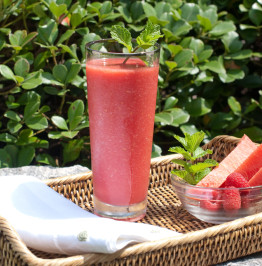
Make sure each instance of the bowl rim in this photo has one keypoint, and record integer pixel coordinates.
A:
(181, 182)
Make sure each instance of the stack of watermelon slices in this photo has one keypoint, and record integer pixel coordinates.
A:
(241, 168)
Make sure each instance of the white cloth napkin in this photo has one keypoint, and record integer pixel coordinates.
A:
(47, 221)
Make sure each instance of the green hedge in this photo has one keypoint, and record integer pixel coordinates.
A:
(210, 75)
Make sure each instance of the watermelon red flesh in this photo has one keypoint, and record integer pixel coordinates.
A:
(256, 180)
(252, 164)
(229, 164)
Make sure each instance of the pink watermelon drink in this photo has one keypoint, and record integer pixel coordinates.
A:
(121, 103)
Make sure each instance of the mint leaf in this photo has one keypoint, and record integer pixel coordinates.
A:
(193, 141)
(193, 171)
(123, 36)
(181, 151)
(149, 36)
(199, 152)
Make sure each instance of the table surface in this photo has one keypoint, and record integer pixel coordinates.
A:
(44, 172)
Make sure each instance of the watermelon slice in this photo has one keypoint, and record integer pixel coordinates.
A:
(256, 180)
(252, 164)
(230, 163)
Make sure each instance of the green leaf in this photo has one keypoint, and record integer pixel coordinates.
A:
(240, 55)
(170, 102)
(57, 10)
(122, 35)
(54, 135)
(72, 150)
(164, 117)
(37, 122)
(5, 159)
(71, 50)
(6, 72)
(204, 55)
(210, 12)
(32, 81)
(156, 151)
(123, 10)
(12, 115)
(60, 73)
(149, 10)
(180, 162)
(179, 116)
(174, 49)
(13, 126)
(12, 151)
(183, 57)
(254, 132)
(149, 36)
(32, 105)
(201, 166)
(69, 134)
(222, 28)
(231, 75)
(235, 106)
(45, 158)
(220, 120)
(181, 151)
(198, 107)
(72, 73)
(25, 156)
(48, 32)
(59, 122)
(190, 12)
(201, 174)
(22, 67)
(215, 65)
(199, 152)
(204, 22)
(65, 36)
(255, 14)
(76, 19)
(232, 42)
(5, 137)
(193, 141)
(180, 27)
(106, 7)
(185, 175)
(171, 65)
(197, 46)
(75, 113)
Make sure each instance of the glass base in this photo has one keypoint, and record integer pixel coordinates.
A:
(130, 213)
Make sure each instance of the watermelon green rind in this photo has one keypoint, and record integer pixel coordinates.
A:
(229, 164)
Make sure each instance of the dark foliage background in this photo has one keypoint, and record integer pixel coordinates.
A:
(210, 75)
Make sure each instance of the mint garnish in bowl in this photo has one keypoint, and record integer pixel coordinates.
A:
(192, 171)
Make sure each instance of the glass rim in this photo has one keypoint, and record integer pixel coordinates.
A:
(89, 44)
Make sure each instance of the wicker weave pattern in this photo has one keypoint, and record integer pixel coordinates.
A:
(202, 243)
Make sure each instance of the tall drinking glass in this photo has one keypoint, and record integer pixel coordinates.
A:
(122, 89)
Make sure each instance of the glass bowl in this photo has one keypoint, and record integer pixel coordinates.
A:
(218, 205)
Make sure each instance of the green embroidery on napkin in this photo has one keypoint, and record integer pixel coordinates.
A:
(82, 236)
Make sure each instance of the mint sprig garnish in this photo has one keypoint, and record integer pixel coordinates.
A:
(192, 171)
(147, 38)
(123, 36)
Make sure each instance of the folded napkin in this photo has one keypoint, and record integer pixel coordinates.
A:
(47, 221)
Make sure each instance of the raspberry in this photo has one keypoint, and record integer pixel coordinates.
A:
(210, 205)
(245, 202)
(231, 199)
(235, 180)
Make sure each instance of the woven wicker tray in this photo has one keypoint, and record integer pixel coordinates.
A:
(201, 243)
